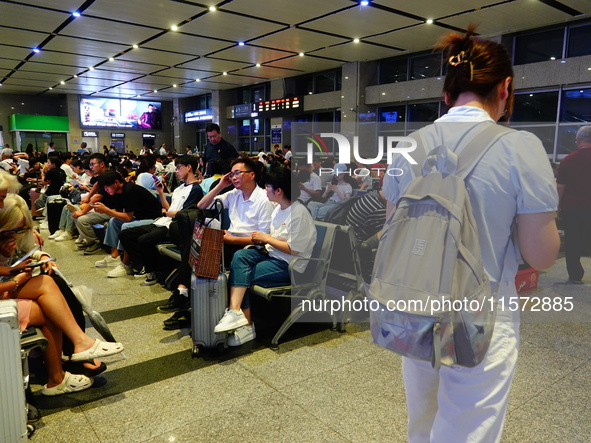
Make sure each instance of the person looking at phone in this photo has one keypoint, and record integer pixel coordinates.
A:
(40, 302)
(126, 205)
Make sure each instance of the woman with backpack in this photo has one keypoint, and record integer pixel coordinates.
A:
(511, 183)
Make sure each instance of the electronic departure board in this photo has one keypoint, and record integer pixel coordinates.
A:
(280, 107)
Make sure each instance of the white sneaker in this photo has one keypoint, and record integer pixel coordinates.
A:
(65, 236)
(43, 225)
(107, 261)
(80, 240)
(242, 335)
(120, 271)
(56, 234)
(230, 321)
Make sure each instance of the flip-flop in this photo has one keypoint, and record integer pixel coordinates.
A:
(98, 350)
(70, 383)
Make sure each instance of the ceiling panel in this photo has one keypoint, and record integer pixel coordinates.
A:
(160, 14)
(21, 37)
(95, 48)
(224, 24)
(42, 76)
(212, 64)
(188, 44)
(298, 40)
(509, 17)
(431, 9)
(251, 54)
(291, 13)
(28, 82)
(583, 6)
(97, 83)
(65, 5)
(82, 61)
(19, 89)
(360, 22)
(306, 63)
(357, 51)
(22, 16)
(417, 38)
(7, 63)
(269, 72)
(115, 75)
(149, 56)
(108, 31)
(13, 52)
(47, 67)
(184, 74)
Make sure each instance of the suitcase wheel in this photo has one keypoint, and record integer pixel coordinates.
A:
(196, 350)
(30, 430)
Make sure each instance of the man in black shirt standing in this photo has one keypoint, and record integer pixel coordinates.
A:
(125, 203)
(217, 147)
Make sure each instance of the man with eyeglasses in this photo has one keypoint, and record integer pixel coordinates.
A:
(140, 242)
(216, 147)
(249, 210)
(574, 193)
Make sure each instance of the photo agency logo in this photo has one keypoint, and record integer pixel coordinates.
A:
(390, 145)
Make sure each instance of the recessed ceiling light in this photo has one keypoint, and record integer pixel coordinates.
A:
(62, 82)
(36, 50)
(258, 65)
(212, 8)
(383, 93)
(155, 90)
(552, 58)
(240, 43)
(91, 68)
(111, 59)
(174, 86)
(197, 79)
(50, 87)
(174, 28)
(75, 14)
(75, 76)
(562, 61)
(224, 73)
(429, 21)
(135, 46)
(364, 2)
(355, 40)
(301, 54)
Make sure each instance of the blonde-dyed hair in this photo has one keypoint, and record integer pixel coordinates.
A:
(8, 182)
(13, 214)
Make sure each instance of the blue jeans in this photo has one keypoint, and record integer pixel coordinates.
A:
(250, 267)
(114, 228)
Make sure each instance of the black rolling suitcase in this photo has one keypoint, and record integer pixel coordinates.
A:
(54, 212)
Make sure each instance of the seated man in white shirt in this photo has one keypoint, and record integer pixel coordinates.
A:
(249, 210)
(312, 188)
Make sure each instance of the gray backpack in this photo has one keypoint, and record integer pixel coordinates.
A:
(434, 295)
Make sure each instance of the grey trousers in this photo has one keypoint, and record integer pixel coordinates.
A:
(85, 222)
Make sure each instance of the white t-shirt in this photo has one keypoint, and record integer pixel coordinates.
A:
(294, 225)
(247, 216)
(68, 170)
(260, 155)
(288, 155)
(345, 189)
(513, 177)
(179, 197)
(314, 184)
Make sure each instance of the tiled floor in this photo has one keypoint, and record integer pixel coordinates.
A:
(321, 387)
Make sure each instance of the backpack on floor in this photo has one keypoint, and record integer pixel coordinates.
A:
(428, 275)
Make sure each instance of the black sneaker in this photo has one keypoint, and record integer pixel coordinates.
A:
(176, 302)
(151, 279)
(179, 320)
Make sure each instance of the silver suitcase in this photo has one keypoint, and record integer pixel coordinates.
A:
(209, 299)
(13, 407)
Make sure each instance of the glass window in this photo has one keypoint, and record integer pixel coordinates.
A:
(578, 41)
(244, 127)
(535, 107)
(576, 106)
(425, 66)
(258, 94)
(565, 143)
(544, 133)
(539, 47)
(325, 82)
(393, 70)
(421, 114)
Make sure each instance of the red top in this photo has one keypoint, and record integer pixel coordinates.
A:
(575, 173)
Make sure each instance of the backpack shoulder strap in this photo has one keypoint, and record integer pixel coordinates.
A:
(478, 146)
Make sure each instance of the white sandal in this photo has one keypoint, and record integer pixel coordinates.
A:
(70, 383)
(98, 350)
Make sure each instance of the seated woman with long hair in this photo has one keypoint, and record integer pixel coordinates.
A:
(41, 304)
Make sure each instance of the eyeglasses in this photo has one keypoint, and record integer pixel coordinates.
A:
(269, 186)
(14, 232)
(237, 173)
(93, 164)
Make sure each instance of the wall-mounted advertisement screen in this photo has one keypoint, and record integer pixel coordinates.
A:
(96, 112)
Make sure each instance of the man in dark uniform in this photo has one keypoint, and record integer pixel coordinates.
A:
(217, 147)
